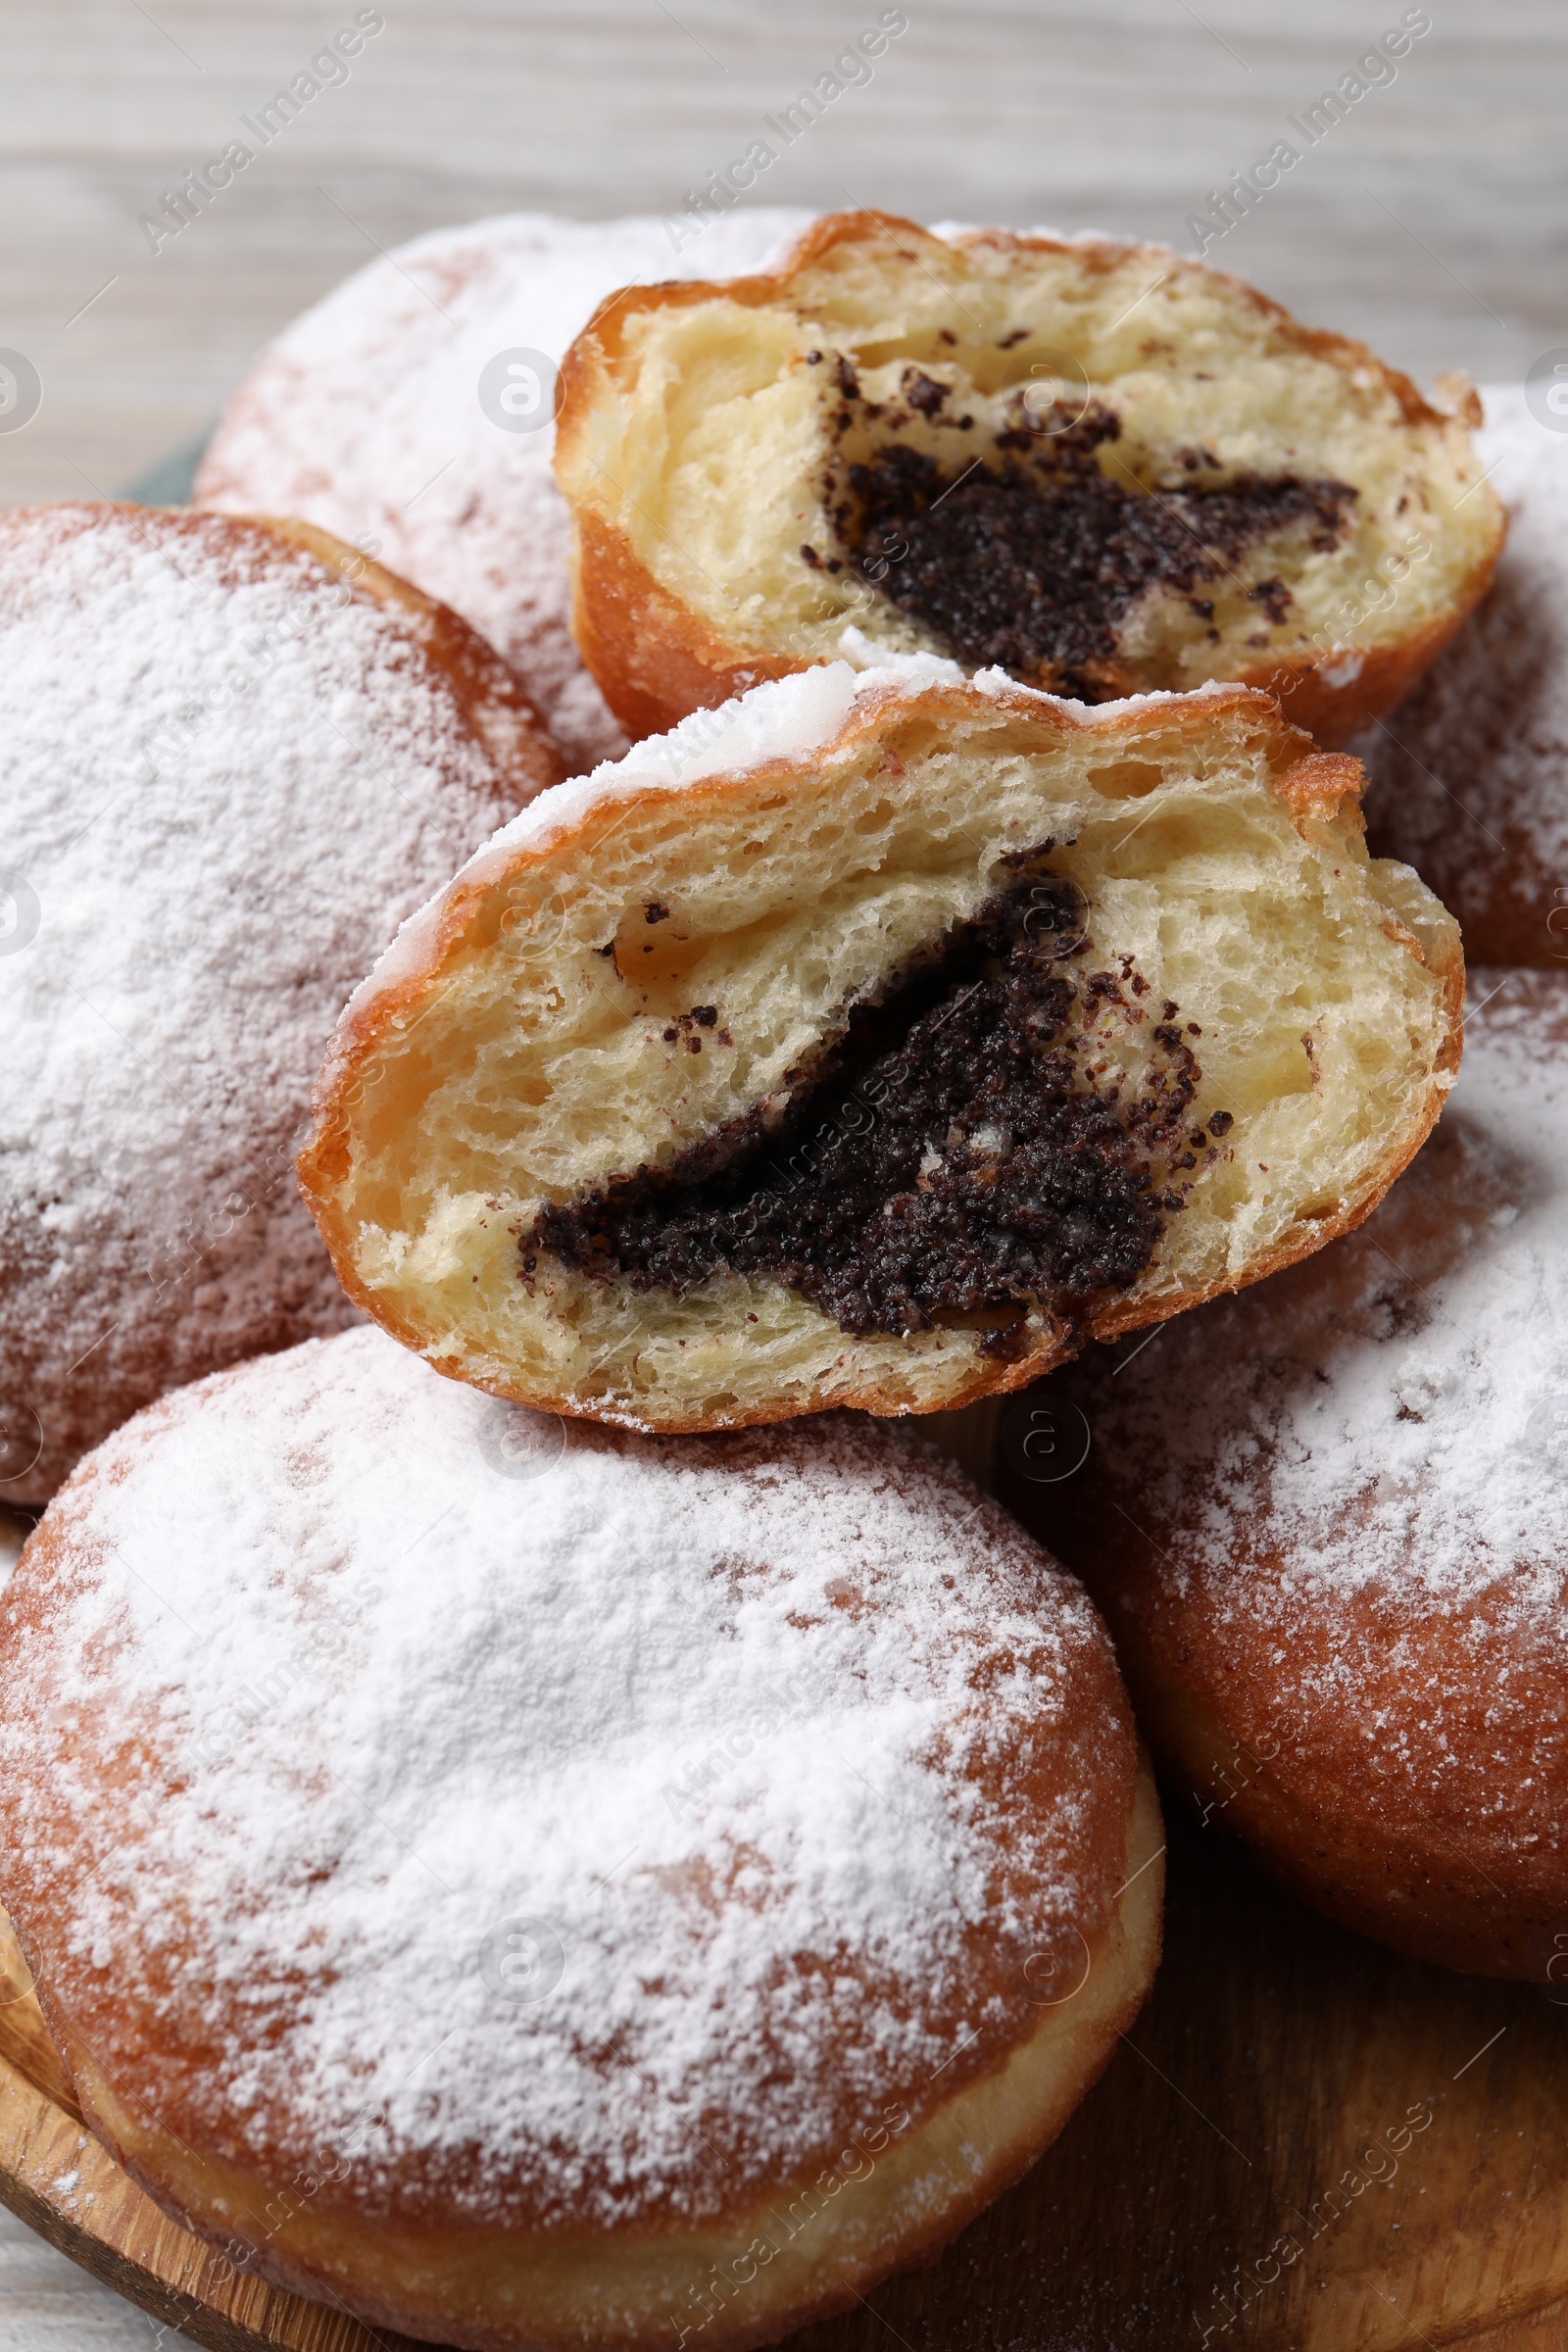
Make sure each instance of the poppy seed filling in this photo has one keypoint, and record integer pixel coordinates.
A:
(951, 1155)
(1032, 556)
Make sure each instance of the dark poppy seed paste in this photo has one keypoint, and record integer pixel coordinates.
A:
(1034, 560)
(949, 1157)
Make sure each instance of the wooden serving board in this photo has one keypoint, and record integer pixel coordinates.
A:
(1288, 2086)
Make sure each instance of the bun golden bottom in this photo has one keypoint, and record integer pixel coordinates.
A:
(897, 2196)
(803, 2254)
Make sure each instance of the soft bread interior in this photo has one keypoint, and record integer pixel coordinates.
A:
(547, 1046)
(720, 439)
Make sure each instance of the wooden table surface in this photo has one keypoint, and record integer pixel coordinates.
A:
(1432, 220)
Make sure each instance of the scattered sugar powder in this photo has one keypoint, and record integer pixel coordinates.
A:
(228, 781)
(596, 1844)
(1392, 1417)
(365, 416)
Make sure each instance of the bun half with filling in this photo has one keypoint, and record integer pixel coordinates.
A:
(873, 1040)
(1103, 467)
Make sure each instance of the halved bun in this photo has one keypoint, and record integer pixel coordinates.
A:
(653, 1115)
(1107, 467)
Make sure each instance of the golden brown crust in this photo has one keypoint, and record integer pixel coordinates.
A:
(1459, 1874)
(1332, 714)
(1080, 1768)
(1322, 791)
(656, 659)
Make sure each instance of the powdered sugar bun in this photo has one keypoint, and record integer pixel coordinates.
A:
(1327, 1523)
(545, 1887)
(365, 416)
(1469, 778)
(236, 757)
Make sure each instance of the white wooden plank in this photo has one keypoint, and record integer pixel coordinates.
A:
(48, 2304)
(1433, 219)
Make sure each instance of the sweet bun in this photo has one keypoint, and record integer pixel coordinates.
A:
(1326, 1524)
(1103, 467)
(1469, 778)
(552, 1889)
(871, 1039)
(377, 415)
(237, 754)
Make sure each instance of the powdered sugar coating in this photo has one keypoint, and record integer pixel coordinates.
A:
(228, 780)
(365, 416)
(778, 1753)
(1468, 779)
(1388, 1424)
